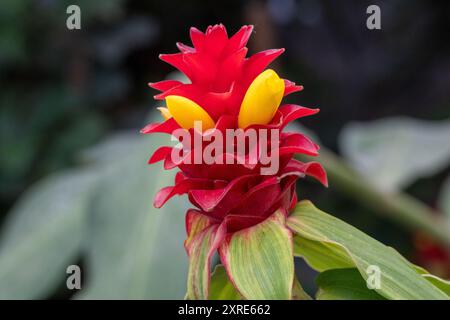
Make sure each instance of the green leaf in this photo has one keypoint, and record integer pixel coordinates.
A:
(326, 256)
(204, 237)
(103, 211)
(221, 287)
(297, 291)
(399, 279)
(443, 285)
(259, 259)
(133, 251)
(321, 256)
(392, 153)
(201, 249)
(43, 235)
(344, 284)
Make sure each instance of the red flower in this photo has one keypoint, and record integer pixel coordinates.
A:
(223, 93)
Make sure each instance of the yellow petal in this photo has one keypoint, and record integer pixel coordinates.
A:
(186, 112)
(262, 99)
(165, 113)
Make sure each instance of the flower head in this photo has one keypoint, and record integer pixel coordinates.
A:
(230, 91)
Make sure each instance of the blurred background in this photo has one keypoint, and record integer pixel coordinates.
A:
(74, 184)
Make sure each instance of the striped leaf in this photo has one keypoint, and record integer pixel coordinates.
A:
(399, 279)
(443, 285)
(195, 224)
(200, 250)
(259, 260)
(321, 256)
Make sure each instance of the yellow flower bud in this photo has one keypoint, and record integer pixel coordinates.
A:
(262, 99)
(186, 112)
(165, 113)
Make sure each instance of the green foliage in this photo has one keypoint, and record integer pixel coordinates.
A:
(133, 250)
(61, 88)
(260, 261)
(321, 256)
(394, 152)
(399, 278)
(102, 212)
(44, 234)
(201, 248)
(344, 284)
(443, 285)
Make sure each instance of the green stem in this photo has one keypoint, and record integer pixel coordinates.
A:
(399, 207)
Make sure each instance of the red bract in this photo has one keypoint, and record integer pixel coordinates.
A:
(218, 70)
(230, 197)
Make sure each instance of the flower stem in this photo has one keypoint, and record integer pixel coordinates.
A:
(399, 207)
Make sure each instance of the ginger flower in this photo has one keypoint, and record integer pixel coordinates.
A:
(238, 192)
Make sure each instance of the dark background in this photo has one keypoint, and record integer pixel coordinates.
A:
(64, 90)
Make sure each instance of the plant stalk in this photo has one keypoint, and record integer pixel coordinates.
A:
(399, 207)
